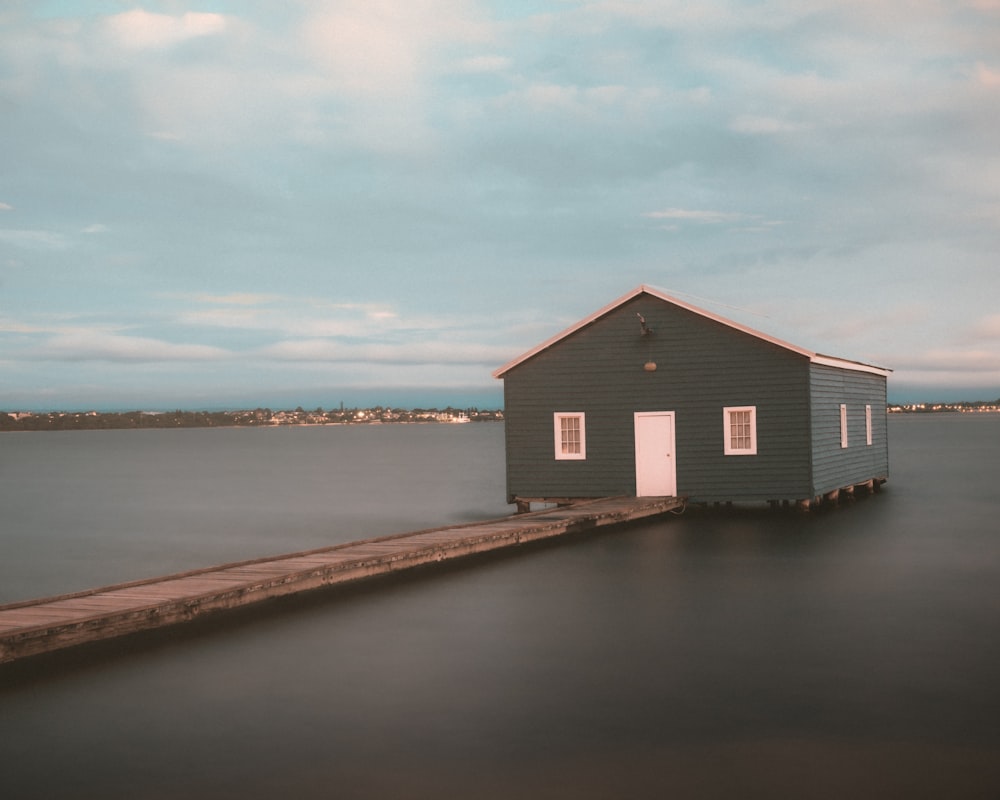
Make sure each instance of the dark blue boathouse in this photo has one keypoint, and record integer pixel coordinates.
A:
(651, 396)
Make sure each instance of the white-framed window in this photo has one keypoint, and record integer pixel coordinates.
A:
(843, 425)
(739, 430)
(868, 425)
(570, 435)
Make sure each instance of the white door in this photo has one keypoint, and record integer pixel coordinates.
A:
(655, 470)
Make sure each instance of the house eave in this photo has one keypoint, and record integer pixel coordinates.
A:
(856, 366)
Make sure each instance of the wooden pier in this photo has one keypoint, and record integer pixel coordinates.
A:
(34, 627)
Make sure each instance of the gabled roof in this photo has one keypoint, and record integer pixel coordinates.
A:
(815, 358)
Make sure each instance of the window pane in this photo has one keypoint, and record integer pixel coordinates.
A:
(570, 435)
(739, 430)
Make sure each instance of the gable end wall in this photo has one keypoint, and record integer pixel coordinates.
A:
(702, 367)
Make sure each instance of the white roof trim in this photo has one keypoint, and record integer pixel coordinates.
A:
(815, 358)
(843, 363)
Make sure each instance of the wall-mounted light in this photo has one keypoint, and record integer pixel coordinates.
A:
(644, 331)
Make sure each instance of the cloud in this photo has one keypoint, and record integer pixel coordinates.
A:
(35, 239)
(102, 346)
(60, 325)
(208, 103)
(764, 125)
(237, 299)
(378, 61)
(288, 316)
(384, 49)
(72, 337)
(313, 323)
(165, 136)
(694, 215)
(604, 103)
(490, 63)
(416, 353)
(8, 325)
(840, 326)
(438, 160)
(673, 14)
(987, 328)
(140, 29)
(364, 52)
(355, 72)
(235, 318)
(969, 362)
(986, 76)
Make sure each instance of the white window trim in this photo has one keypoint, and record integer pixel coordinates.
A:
(868, 425)
(557, 419)
(843, 425)
(727, 447)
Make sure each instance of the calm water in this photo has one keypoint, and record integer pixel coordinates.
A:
(87, 508)
(854, 652)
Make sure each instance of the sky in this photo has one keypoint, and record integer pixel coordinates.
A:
(240, 203)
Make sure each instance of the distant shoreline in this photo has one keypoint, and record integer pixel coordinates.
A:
(978, 407)
(255, 418)
(266, 418)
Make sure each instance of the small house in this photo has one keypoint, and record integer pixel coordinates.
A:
(651, 396)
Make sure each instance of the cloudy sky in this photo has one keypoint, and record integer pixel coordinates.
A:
(234, 203)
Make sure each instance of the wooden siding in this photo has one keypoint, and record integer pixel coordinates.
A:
(833, 466)
(702, 367)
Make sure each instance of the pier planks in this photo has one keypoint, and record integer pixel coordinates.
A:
(34, 627)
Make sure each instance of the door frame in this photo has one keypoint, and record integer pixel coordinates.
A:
(672, 455)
